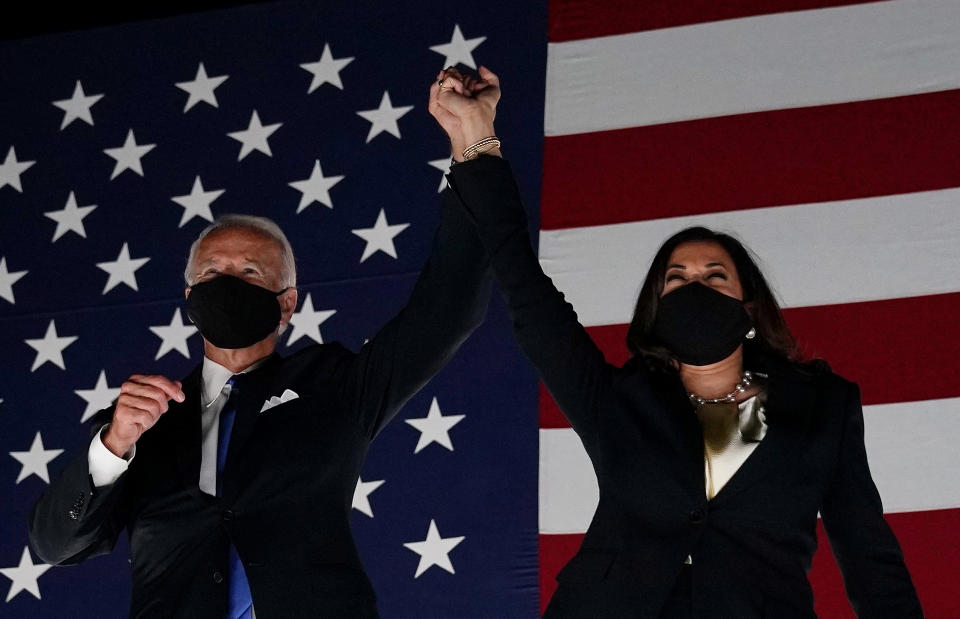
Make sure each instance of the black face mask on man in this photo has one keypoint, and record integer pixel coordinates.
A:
(233, 313)
(700, 325)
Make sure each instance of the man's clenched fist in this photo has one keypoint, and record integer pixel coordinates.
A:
(143, 398)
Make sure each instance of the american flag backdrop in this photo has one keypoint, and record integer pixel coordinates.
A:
(824, 133)
(121, 143)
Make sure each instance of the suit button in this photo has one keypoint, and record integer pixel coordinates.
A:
(217, 577)
(697, 516)
(227, 514)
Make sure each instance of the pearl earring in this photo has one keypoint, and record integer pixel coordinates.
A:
(752, 333)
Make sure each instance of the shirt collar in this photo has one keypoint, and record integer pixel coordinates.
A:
(214, 376)
(753, 418)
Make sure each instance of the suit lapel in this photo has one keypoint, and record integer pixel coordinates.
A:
(683, 423)
(188, 432)
(790, 397)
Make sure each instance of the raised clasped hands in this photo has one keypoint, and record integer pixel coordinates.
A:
(465, 107)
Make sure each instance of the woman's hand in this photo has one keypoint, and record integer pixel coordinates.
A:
(465, 107)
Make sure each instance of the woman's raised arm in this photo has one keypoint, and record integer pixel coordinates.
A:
(545, 324)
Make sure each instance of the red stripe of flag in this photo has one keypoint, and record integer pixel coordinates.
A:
(795, 156)
(581, 19)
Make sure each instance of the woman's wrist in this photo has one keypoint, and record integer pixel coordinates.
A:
(480, 147)
(457, 153)
(474, 130)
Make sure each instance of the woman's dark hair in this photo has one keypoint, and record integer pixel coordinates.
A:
(773, 340)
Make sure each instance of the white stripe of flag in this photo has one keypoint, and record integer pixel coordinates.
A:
(768, 62)
(816, 254)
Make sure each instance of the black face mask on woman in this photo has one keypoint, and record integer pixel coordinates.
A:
(700, 325)
(233, 313)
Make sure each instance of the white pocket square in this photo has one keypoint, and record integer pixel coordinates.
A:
(286, 396)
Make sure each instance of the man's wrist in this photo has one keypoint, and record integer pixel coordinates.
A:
(117, 447)
(106, 467)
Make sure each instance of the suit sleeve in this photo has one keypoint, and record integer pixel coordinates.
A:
(448, 301)
(545, 324)
(874, 574)
(74, 520)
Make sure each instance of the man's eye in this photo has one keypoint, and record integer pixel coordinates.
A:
(250, 271)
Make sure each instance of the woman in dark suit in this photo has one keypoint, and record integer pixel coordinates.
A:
(714, 446)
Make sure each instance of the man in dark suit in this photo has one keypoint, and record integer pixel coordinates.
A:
(235, 485)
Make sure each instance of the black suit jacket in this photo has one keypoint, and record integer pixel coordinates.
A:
(752, 544)
(290, 473)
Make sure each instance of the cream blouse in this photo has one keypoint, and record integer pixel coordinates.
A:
(731, 432)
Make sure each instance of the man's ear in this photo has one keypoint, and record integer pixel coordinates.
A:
(288, 304)
(186, 292)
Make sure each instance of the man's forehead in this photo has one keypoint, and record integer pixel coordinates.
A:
(239, 240)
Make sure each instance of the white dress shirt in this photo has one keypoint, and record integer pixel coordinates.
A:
(106, 468)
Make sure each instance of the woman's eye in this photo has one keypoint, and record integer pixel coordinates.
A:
(720, 275)
(675, 277)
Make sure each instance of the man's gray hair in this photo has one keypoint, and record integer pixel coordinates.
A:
(260, 225)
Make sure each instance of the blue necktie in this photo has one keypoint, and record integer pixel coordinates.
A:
(239, 603)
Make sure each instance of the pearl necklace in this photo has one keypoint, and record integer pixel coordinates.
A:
(730, 397)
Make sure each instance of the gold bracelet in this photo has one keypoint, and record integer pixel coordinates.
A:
(478, 148)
